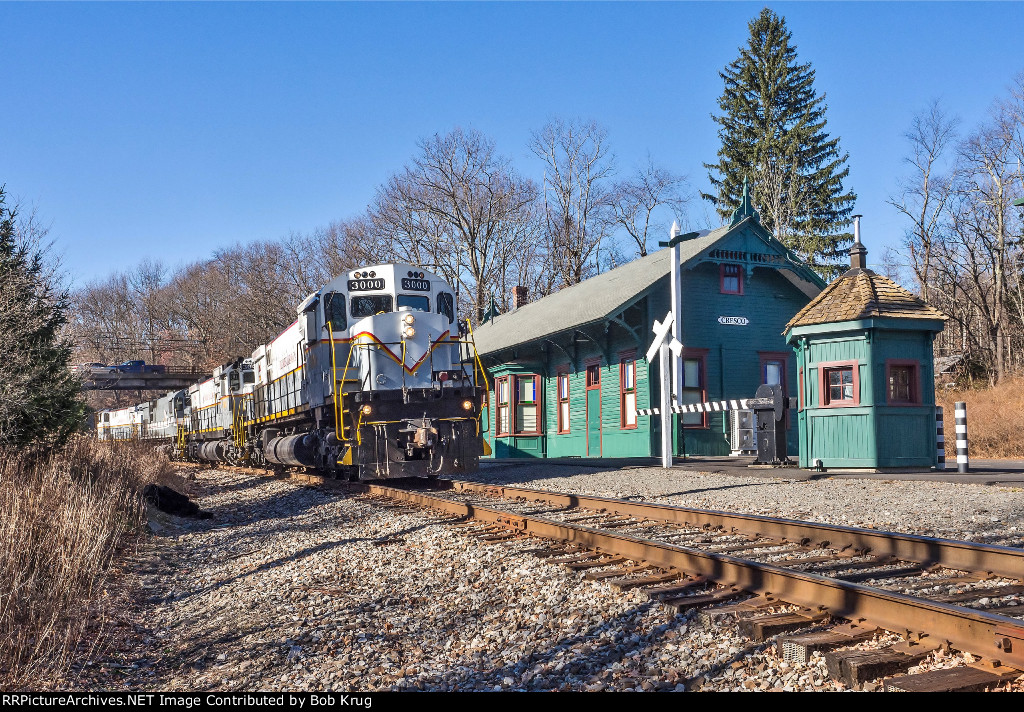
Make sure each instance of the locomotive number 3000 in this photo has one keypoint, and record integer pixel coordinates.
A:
(365, 285)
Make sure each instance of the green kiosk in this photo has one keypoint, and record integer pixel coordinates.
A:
(865, 383)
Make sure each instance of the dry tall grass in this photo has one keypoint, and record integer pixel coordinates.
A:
(995, 420)
(62, 517)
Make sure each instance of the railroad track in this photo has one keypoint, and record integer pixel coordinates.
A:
(846, 582)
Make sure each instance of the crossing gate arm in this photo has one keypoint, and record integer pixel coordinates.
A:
(713, 406)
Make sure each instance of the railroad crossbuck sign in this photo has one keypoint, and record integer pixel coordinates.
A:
(661, 329)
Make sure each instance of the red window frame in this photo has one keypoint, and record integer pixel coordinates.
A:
(626, 358)
(701, 355)
(562, 376)
(823, 369)
(766, 357)
(537, 403)
(914, 381)
(498, 405)
(722, 269)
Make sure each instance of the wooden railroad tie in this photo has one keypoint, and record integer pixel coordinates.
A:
(855, 667)
(626, 584)
(800, 648)
(721, 595)
(971, 678)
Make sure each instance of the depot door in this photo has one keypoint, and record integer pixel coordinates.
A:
(594, 411)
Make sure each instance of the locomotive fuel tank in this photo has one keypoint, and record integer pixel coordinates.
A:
(291, 450)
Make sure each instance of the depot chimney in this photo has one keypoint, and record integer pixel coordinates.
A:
(518, 296)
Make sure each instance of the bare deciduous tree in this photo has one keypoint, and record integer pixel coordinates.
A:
(923, 196)
(458, 208)
(635, 200)
(577, 197)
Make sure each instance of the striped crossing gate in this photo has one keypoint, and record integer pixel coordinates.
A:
(708, 407)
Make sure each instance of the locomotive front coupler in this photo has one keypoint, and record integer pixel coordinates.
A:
(422, 430)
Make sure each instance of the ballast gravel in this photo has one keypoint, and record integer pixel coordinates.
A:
(295, 588)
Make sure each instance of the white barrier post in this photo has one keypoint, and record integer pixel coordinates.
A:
(963, 463)
(940, 440)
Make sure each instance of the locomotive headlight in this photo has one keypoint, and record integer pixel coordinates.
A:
(409, 319)
(408, 332)
(467, 404)
(366, 410)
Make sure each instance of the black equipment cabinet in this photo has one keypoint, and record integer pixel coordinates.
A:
(770, 405)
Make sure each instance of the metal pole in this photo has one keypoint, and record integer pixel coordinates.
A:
(677, 318)
(940, 440)
(963, 463)
(666, 406)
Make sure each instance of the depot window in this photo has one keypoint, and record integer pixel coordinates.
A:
(627, 391)
(518, 396)
(501, 403)
(527, 405)
(563, 402)
(731, 279)
(693, 388)
(369, 304)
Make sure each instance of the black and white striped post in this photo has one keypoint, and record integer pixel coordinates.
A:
(940, 440)
(963, 463)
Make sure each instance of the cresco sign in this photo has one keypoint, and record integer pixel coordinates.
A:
(734, 320)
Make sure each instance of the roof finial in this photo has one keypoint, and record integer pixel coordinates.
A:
(746, 207)
(858, 253)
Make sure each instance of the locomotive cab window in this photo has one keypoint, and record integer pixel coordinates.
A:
(334, 311)
(416, 302)
(446, 306)
(365, 305)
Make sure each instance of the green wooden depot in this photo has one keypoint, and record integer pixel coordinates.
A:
(567, 371)
(865, 381)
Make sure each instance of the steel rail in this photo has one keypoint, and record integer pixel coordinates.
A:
(994, 637)
(950, 553)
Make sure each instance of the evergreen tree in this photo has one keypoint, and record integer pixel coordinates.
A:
(40, 399)
(773, 133)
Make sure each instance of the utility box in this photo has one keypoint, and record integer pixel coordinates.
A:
(770, 405)
(742, 440)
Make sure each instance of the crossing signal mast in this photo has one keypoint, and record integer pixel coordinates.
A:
(667, 344)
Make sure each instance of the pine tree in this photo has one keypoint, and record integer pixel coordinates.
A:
(773, 133)
(40, 399)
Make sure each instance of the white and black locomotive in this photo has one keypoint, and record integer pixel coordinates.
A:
(373, 379)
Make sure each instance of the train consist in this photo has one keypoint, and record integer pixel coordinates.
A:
(373, 379)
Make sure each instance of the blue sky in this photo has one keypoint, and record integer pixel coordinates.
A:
(167, 130)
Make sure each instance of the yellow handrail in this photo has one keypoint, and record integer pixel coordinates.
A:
(338, 392)
(476, 354)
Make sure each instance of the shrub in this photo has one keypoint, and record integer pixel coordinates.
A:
(63, 516)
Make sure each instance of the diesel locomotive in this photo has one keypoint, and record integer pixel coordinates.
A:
(374, 379)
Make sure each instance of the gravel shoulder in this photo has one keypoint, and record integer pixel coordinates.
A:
(984, 513)
(293, 588)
